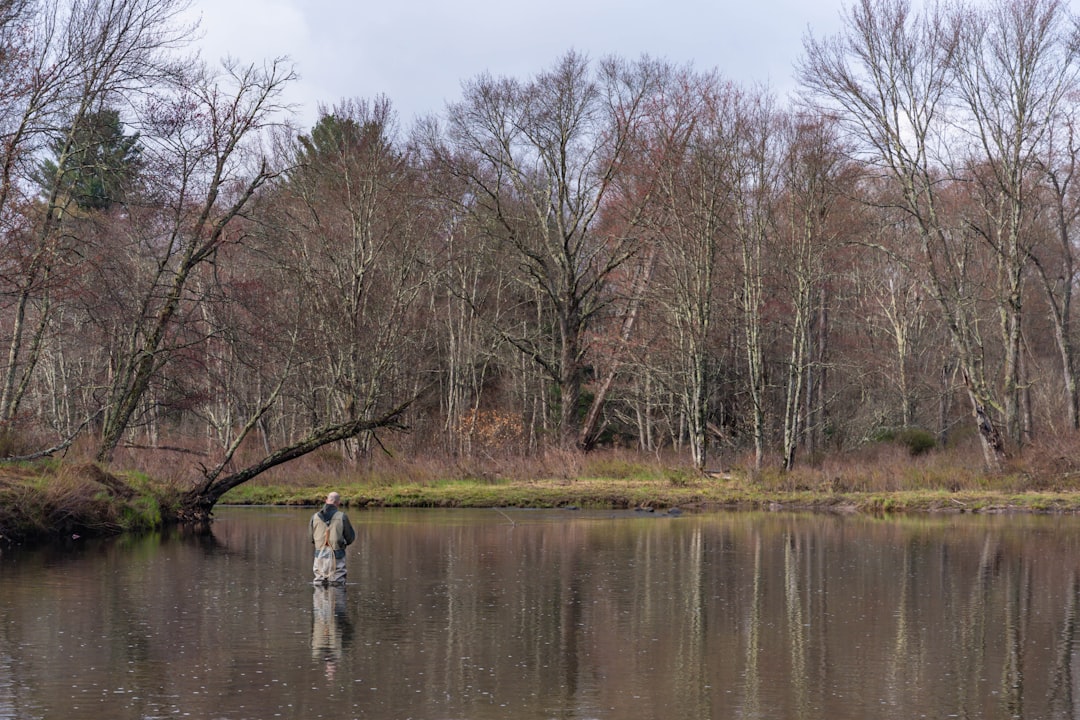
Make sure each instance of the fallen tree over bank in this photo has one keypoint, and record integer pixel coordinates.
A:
(196, 505)
(51, 499)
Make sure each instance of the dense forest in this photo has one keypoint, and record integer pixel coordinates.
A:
(612, 252)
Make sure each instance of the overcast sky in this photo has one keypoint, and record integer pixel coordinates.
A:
(419, 52)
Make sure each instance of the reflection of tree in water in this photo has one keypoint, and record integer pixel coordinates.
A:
(331, 628)
(752, 677)
(1063, 702)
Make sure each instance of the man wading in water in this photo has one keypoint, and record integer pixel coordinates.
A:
(331, 532)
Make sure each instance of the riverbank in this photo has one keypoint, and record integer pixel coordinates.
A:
(56, 500)
(658, 495)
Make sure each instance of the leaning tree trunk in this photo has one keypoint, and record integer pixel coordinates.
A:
(590, 428)
(195, 507)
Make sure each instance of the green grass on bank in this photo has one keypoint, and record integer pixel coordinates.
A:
(883, 477)
(698, 494)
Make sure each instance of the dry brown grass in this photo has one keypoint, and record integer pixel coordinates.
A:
(888, 467)
(882, 467)
(56, 498)
(1051, 464)
(62, 499)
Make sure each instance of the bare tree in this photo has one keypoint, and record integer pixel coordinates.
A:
(815, 175)
(539, 159)
(204, 138)
(899, 299)
(80, 55)
(697, 139)
(1017, 64)
(471, 349)
(888, 76)
(311, 283)
(355, 216)
(343, 238)
(756, 187)
(1055, 261)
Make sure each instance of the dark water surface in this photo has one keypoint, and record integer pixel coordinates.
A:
(552, 614)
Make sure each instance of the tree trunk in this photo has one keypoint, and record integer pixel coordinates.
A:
(993, 445)
(590, 428)
(197, 504)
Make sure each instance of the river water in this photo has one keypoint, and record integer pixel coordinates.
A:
(476, 614)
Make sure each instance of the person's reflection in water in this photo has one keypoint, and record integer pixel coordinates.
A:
(331, 629)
